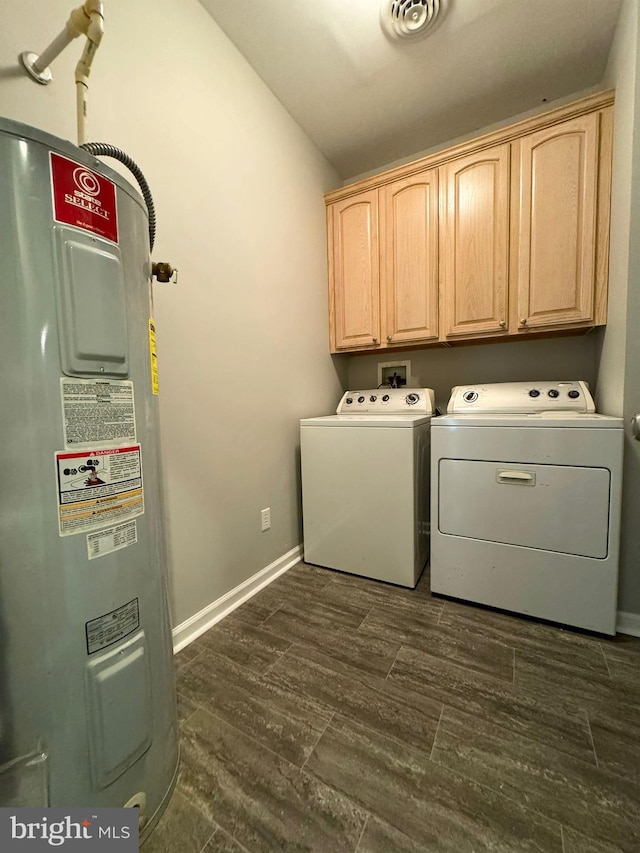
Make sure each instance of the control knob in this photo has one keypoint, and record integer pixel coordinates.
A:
(470, 396)
(534, 392)
(412, 399)
(385, 398)
(361, 399)
(554, 393)
(349, 400)
(574, 394)
(372, 399)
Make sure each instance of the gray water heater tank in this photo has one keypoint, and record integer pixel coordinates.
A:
(87, 697)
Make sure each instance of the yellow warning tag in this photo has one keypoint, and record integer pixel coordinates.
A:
(153, 355)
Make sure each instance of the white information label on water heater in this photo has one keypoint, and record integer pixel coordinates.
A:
(111, 539)
(97, 411)
(98, 487)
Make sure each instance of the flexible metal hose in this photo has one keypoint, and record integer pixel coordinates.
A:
(103, 149)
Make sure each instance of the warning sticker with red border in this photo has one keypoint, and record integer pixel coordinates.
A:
(98, 487)
(83, 198)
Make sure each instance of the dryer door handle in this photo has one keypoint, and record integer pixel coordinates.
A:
(516, 478)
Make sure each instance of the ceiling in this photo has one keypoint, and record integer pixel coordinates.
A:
(367, 100)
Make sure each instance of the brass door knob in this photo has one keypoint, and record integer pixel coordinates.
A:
(523, 321)
(375, 340)
(389, 337)
(502, 324)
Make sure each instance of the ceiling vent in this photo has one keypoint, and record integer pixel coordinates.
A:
(407, 19)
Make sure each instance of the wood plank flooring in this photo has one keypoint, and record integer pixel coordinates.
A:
(333, 713)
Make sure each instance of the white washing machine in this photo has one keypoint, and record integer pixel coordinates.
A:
(526, 493)
(365, 484)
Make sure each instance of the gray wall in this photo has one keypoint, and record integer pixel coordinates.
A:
(243, 344)
(619, 364)
(630, 578)
(441, 369)
(621, 75)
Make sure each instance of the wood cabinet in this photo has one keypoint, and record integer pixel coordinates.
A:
(506, 235)
(556, 219)
(385, 292)
(475, 244)
(409, 258)
(354, 270)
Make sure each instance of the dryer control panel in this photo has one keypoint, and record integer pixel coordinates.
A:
(522, 398)
(388, 401)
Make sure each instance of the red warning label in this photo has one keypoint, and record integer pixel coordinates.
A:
(82, 198)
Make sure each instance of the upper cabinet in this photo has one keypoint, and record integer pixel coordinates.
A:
(556, 219)
(383, 265)
(506, 235)
(354, 269)
(475, 244)
(409, 258)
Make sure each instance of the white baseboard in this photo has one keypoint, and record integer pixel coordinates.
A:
(197, 624)
(192, 628)
(628, 623)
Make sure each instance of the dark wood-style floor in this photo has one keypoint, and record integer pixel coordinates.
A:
(334, 713)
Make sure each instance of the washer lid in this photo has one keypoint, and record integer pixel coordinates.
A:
(368, 420)
(547, 420)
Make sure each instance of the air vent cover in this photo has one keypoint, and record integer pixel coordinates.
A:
(408, 18)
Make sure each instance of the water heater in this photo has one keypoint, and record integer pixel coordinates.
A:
(87, 698)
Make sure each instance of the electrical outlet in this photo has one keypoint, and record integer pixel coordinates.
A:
(265, 517)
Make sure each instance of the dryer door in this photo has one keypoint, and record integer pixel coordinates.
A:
(549, 507)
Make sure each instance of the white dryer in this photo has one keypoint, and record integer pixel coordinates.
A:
(365, 484)
(526, 494)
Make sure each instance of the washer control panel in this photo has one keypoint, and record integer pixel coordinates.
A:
(522, 398)
(388, 401)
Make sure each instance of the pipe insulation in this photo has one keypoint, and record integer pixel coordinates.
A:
(94, 30)
(103, 149)
(55, 49)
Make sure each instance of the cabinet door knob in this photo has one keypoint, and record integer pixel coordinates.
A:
(523, 321)
(502, 324)
(389, 337)
(375, 340)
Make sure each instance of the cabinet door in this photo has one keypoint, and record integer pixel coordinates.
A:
(475, 243)
(557, 225)
(354, 275)
(409, 258)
